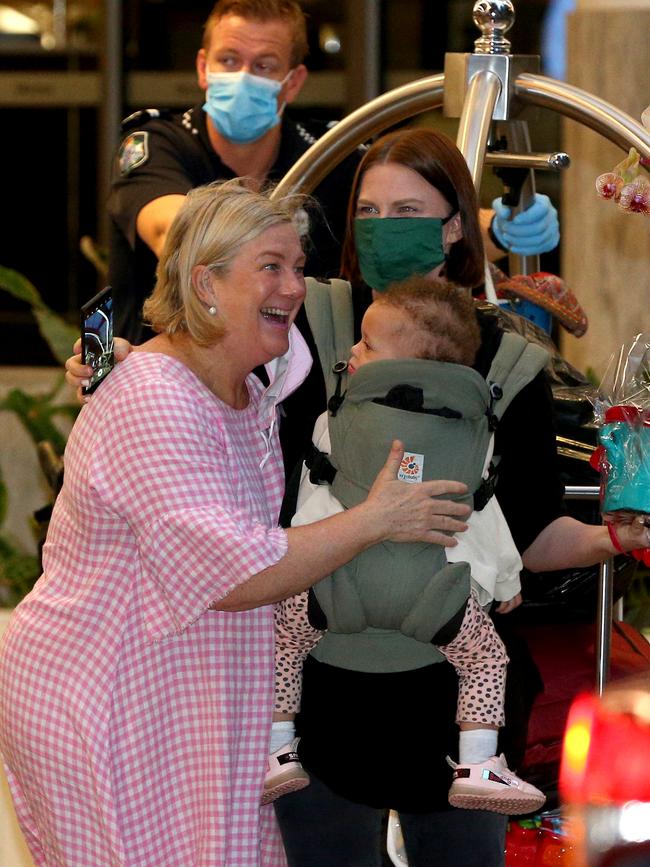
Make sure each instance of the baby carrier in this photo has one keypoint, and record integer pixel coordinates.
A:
(385, 607)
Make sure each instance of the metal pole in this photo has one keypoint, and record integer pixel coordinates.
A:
(552, 161)
(474, 125)
(589, 110)
(518, 138)
(60, 23)
(581, 492)
(111, 107)
(604, 623)
(605, 601)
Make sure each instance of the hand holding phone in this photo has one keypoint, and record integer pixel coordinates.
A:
(97, 337)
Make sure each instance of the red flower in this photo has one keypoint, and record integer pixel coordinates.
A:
(609, 185)
(635, 197)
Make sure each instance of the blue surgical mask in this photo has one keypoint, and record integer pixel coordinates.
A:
(242, 106)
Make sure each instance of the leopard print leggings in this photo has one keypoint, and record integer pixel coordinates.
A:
(477, 653)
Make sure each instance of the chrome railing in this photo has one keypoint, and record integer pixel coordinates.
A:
(427, 93)
(605, 600)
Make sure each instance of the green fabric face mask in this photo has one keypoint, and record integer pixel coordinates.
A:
(394, 248)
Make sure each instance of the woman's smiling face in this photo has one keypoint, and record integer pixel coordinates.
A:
(259, 298)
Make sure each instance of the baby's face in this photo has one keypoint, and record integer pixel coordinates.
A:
(385, 334)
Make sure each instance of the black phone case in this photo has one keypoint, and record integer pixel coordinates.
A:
(99, 355)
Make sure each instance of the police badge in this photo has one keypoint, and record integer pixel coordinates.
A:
(134, 152)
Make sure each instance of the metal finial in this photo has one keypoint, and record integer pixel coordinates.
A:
(493, 18)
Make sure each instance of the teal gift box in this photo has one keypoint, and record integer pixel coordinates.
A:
(625, 438)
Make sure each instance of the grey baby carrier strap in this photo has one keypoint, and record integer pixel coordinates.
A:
(406, 591)
(516, 363)
(385, 607)
(331, 318)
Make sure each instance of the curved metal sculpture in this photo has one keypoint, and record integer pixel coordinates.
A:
(428, 93)
(577, 104)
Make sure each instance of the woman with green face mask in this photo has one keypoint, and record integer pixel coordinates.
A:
(372, 741)
(413, 210)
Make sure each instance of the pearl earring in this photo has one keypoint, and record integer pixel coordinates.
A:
(212, 310)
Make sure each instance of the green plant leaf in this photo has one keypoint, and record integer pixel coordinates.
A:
(20, 569)
(20, 287)
(35, 414)
(58, 334)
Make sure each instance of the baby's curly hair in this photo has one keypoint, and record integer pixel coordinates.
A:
(443, 316)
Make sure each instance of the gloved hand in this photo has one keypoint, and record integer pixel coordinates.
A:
(535, 230)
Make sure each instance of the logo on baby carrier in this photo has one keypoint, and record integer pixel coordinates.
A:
(411, 467)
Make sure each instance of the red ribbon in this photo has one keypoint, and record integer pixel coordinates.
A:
(640, 554)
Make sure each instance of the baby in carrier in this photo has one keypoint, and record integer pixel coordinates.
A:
(416, 319)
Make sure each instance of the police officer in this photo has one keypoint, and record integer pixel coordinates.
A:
(250, 66)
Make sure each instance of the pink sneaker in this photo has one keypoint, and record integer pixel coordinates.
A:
(284, 773)
(491, 786)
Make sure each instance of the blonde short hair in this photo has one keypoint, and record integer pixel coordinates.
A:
(211, 227)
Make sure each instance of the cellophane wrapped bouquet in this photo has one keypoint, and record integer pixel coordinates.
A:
(622, 411)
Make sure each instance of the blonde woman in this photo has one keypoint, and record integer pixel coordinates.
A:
(136, 680)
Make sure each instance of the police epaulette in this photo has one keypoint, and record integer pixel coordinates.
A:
(144, 115)
(312, 137)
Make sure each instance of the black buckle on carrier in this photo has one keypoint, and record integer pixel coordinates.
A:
(496, 393)
(321, 470)
(337, 398)
(486, 489)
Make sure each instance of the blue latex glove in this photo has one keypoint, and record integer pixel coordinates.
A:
(535, 230)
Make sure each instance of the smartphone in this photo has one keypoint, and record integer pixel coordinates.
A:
(97, 337)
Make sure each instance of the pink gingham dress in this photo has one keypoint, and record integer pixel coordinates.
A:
(134, 722)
